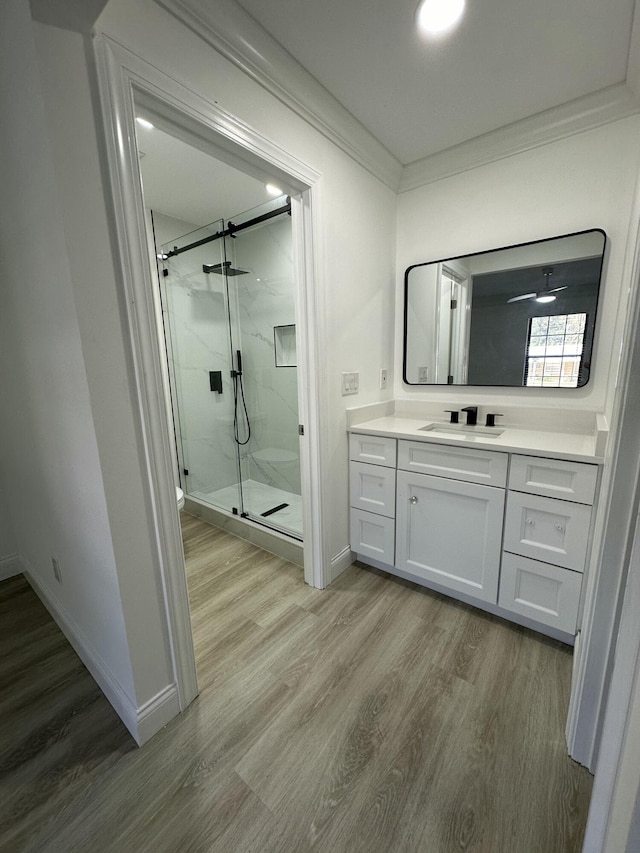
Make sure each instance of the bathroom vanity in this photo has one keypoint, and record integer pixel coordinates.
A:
(501, 520)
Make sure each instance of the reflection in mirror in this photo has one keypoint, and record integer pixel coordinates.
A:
(519, 316)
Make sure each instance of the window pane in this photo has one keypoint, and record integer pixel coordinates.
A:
(554, 350)
(539, 325)
(557, 324)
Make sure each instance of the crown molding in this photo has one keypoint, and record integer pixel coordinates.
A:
(233, 33)
(591, 111)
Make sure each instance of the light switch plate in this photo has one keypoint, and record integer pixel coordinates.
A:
(350, 383)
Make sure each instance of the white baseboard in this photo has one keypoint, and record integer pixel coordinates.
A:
(142, 722)
(10, 567)
(157, 712)
(341, 561)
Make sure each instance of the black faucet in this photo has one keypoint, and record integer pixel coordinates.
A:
(472, 415)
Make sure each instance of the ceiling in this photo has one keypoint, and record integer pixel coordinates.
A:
(183, 182)
(420, 100)
(505, 61)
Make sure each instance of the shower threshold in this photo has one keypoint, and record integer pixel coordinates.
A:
(283, 509)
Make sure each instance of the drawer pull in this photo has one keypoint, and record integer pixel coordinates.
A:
(560, 528)
(530, 521)
(413, 499)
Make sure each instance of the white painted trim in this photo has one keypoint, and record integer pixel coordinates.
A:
(233, 33)
(123, 704)
(142, 722)
(310, 314)
(610, 550)
(10, 567)
(123, 75)
(148, 382)
(156, 713)
(617, 781)
(240, 39)
(341, 561)
(586, 113)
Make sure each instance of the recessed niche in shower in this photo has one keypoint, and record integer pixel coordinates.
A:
(284, 341)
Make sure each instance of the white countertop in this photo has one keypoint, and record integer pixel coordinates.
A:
(561, 445)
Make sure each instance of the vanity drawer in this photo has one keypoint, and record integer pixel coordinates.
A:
(378, 450)
(373, 488)
(554, 478)
(548, 594)
(373, 535)
(547, 529)
(488, 467)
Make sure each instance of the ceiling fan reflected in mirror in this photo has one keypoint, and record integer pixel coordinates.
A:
(545, 294)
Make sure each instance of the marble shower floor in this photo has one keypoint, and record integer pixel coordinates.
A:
(258, 498)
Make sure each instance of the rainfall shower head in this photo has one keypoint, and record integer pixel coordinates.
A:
(223, 269)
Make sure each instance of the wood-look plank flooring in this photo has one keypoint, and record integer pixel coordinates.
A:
(373, 716)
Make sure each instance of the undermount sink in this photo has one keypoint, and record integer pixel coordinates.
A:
(492, 432)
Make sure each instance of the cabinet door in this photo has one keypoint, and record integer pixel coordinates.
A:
(373, 488)
(547, 529)
(545, 593)
(450, 532)
(372, 535)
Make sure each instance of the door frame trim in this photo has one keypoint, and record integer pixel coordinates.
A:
(124, 79)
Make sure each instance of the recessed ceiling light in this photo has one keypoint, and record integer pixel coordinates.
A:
(144, 123)
(436, 16)
(272, 189)
(548, 298)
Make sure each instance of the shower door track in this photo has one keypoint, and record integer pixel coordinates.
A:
(232, 229)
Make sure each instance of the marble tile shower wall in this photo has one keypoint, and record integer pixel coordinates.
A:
(199, 338)
(272, 395)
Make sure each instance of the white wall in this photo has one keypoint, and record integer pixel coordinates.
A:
(584, 181)
(48, 442)
(84, 215)
(8, 547)
(357, 237)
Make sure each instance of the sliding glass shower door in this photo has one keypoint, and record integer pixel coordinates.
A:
(229, 309)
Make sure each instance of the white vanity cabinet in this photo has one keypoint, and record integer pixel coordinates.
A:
(546, 539)
(504, 530)
(449, 525)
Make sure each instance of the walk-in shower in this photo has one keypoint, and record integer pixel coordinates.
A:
(229, 312)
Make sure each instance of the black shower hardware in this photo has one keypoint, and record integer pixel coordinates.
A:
(215, 381)
(472, 415)
(238, 394)
(232, 229)
(223, 269)
(491, 418)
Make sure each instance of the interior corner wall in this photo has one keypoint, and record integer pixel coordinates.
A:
(355, 240)
(71, 109)
(47, 438)
(581, 182)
